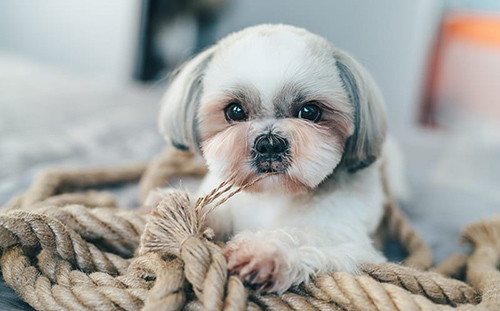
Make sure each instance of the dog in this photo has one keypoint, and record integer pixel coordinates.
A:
(279, 100)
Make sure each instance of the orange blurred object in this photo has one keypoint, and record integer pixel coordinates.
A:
(464, 77)
(483, 29)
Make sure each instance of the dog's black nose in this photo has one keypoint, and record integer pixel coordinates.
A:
(270, 144)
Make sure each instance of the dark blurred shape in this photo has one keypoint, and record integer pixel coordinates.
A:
(159, 18)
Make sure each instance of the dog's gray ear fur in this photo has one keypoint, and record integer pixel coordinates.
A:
(177, 121)
(364, 146)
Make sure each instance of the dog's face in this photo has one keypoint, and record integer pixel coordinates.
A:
(275, 98)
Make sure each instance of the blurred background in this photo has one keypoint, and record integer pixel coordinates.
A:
(81, 82)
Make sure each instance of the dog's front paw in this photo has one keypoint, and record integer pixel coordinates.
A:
(262, 265)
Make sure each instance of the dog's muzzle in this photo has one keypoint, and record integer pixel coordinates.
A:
(270, 153)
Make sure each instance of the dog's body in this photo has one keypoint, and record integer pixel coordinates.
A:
(325, 230)
(277, 99)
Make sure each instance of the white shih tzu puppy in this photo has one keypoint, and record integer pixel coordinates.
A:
(276, 98)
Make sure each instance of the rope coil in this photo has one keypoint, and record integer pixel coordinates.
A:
(64, 252)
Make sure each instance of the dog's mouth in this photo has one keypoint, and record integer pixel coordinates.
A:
(274, 164)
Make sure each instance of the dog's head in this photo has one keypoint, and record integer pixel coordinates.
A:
(275, 98)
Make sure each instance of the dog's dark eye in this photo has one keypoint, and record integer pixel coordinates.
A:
(310, 111)
(235, 112)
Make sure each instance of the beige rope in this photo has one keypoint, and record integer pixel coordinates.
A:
(434, 286)
(419, 253)
(53, 182)
(75, 290)
(116, 231)
(87, 198)
(167, 292)
(31, 230)
(482, 270)
(63, 256)
(172, 163)
(397, 226)
(453, 266)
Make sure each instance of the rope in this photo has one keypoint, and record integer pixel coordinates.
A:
(117, 231)
(60, 252)
(53, 182)
(75, 290)
(87, 198)
(453, 266)
(32, 231)
(397, 226)
(434, 286)
(172, 163)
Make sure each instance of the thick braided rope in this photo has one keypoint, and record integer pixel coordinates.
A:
(87, 199)
(289, 300)
(73, 290)
(175, 230)
(168, 290)
(434, 286)
(53, 182)
(172, 163)
(32, 230)
(482, 267)
(115, 230)
(199, 261)
(62, 250)
(398, 227)
(419, 253)
(454, 266)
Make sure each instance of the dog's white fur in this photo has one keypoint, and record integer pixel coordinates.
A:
(319, 214)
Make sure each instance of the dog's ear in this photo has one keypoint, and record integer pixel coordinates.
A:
(177, 121)
(364, 146)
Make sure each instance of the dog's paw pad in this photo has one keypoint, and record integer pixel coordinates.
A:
(260, 266)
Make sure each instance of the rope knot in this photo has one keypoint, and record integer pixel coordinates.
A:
(170, 225)
(175, 218)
